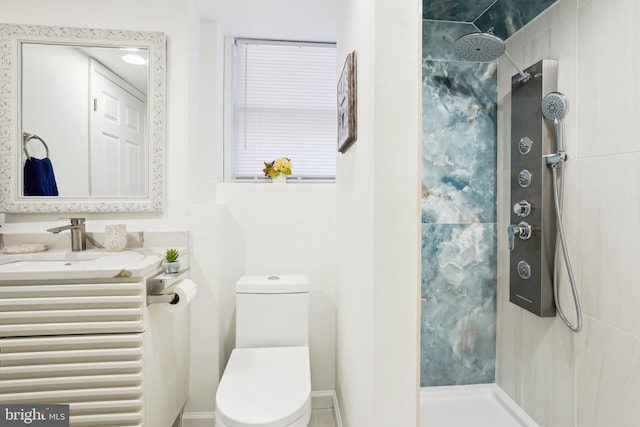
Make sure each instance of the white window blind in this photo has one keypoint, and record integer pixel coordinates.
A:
(285, 106)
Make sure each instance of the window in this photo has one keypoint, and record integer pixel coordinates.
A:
(284, 105)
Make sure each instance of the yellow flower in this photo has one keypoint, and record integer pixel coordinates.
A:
(282, 165)
(278, 166)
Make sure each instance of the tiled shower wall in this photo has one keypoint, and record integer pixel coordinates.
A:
(589, 379)
(458, 212)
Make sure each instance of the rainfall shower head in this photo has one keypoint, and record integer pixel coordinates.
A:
(479, 47)
(554, 106)
(485, 47)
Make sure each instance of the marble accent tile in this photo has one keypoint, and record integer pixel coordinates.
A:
(459, 259)
(438, 38)
(509, 316)
(454, 10)
(458, 305)
(459, 151)
(608, 376)
(508, 16)
(459, 213)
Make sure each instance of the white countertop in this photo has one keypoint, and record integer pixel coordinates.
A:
(143, 255)
(89, 264)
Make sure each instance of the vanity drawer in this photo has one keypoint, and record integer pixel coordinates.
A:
(64, 309)
(99, 376)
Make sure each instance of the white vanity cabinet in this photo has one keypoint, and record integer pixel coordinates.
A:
(96, 345)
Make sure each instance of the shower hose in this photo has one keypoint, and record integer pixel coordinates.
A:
(558, 193)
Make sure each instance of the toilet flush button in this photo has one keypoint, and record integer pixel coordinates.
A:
(273, 277)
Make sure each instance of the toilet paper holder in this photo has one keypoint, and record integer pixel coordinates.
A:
(157, 284)
(162, 298)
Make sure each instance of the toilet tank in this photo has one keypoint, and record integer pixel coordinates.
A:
(272, 311)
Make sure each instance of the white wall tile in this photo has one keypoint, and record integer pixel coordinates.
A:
(595, 43)
(547, 370)
(509, 346)
(608, 84)
(608, 376)
(608, 241)
(570, 213)
(536, 355)
(553, 35)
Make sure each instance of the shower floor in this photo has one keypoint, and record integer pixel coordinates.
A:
(483, 405)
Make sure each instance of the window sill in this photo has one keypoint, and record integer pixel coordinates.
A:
(262, 180)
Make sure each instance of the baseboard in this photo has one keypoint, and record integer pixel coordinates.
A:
(199, 419)
(325, 399)
(322, 399)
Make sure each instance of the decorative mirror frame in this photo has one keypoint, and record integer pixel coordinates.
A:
(11, 37)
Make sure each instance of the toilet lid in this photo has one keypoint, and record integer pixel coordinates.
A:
(264, 386)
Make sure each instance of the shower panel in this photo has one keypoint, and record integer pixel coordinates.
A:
(532, 231)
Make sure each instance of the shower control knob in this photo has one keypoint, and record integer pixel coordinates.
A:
(522, 230)
(525, 144)
(522, 208)
(524, 178)
(524, 270)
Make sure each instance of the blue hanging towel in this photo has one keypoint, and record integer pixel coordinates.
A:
(39, 179)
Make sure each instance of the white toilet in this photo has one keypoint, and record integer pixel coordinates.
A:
(267, 381)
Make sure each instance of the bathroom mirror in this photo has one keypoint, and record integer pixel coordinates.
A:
(71, 102)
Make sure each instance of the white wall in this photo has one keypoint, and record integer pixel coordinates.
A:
(591, 378)
(366, 273)
(227, 235)
(283, 229)
(55, 91)
(306, 20)
(355, 254)
(168, 16)
(378, 223)
(258, 228)
(178, 20)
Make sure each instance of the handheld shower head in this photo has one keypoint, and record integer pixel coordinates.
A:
(554, 107)
(485, 47)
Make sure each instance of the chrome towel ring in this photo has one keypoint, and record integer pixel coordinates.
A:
(26, 137)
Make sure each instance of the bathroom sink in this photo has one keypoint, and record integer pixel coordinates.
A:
(75, 265)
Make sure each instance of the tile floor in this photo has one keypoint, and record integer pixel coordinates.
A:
(322, 418)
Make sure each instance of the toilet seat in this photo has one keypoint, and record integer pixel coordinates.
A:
(266, 387)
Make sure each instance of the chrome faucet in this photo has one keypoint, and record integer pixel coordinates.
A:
(78, 234)
(522, 230)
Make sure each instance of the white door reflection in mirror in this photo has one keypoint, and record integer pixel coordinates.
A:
(117, 135)
(94, 153)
